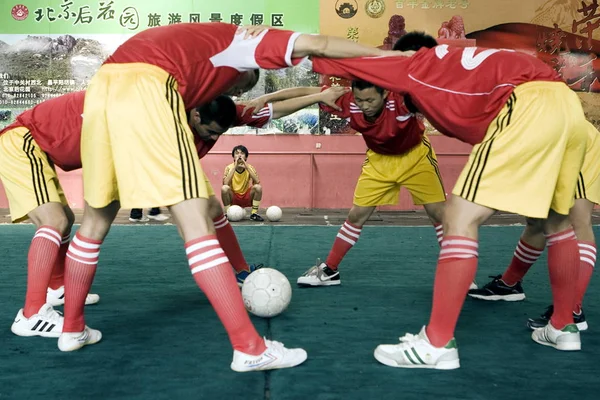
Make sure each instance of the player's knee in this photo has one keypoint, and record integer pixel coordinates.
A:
(534, 226)
(257, 188)
(226, 190)
(214, 208)
(358, 216)
(52, 215)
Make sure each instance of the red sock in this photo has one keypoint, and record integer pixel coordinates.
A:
(40, 262)
(587, 261)
(345, 239)
(563, 267)
(524, 257)
(230, 244)
(80, 268)
(212, 272)
(439, 232)
(58, 273)
(456, 270)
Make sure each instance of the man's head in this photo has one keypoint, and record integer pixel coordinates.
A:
(213, 119)
(368, 97)
(244, 83)
(415, 41)
(239, 153)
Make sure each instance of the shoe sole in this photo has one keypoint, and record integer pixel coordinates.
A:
(29, 333)
(444, 365)
(508, 297)
(326, 283)
(62, 303)
(582, 326)
(569, 346)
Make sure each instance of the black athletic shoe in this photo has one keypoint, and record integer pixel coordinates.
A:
(542, 321)
(256, 217)
(498, 290)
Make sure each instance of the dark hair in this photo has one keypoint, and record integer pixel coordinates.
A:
(362, 85)
(221, 110)
(415, 41)
(256, 77)
(240, 147)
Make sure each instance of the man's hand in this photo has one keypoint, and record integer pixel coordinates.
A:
(257, 104)
(240, 163)
(252, 30)
(330, 96)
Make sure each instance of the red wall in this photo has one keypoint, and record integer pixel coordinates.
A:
(301, 171)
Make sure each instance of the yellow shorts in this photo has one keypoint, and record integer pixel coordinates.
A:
(136, 145)
(209, 189)
(588, 184)
(28, 176)
(383, 175)
(531, 156)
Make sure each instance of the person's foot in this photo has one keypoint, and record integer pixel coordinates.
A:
(276, 356)
(158, 217)
(320, 275)
(56, 297)
(143, 218)
(566, 339)
(71, 341)
(256, 217)
(498, 290)
(542, 321)
(46, 323)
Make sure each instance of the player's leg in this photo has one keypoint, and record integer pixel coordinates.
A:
(32, 189)
(227, 238)
(507, 286)
(504, 172)
(160, 123)
(563, 251)
(226, 197)
(255, 198)
(373, 188)
(581, 219)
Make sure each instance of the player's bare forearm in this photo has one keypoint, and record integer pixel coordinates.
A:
(332, 47)
(229, 177)
(254, 177)
(289, 93)
(287, 107)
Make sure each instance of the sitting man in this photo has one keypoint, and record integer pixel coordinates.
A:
(241, 185)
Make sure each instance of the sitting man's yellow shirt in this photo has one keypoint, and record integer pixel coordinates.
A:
(240, 183)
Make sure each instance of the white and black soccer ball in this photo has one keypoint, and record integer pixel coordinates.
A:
(266, 292)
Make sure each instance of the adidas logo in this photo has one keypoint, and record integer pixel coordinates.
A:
(45, 327)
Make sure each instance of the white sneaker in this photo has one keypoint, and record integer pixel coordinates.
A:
(320, 275)
(71, 341)
(143, 219)
(57, 297)
(158, 217)
(47, 323)
(567, 339)
(276, 356)
(473, 286)
(416, 351)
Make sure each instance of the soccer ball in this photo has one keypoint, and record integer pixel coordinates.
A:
(236, 213)
(274, 213)
(266, 292)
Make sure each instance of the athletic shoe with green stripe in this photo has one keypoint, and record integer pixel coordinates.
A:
(416, 351)
(566, 339)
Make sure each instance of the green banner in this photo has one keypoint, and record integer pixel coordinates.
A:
(130, 16)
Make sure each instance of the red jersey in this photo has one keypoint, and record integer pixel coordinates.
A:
(258, 120)
(262, 118)
(459, 90)
(395, 131)
(55, 125)
(206, 58)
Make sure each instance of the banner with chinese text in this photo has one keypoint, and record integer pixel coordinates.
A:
(52, 47)
(564, 33)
